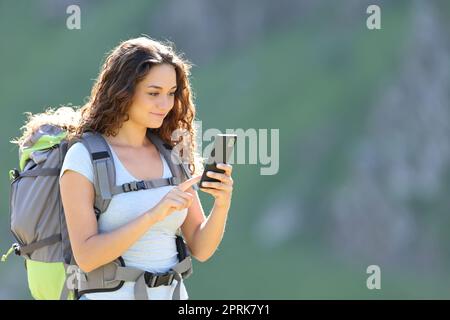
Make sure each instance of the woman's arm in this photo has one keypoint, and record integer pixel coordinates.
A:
(203, 235)
(92, 250)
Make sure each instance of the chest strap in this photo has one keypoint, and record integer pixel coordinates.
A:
(145, 184)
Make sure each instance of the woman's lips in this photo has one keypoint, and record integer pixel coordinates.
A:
(161, 115)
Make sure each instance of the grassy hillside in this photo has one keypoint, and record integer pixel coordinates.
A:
(306, 81)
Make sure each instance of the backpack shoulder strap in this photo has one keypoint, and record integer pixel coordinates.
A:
(177, 167)
(104, 169)
(167, 153)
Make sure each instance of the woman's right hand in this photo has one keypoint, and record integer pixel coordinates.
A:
(176, 199)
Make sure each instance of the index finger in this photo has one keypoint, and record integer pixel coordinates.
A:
(188, 183)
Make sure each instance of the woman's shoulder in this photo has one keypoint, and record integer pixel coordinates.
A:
(78, 159)
(77, 150)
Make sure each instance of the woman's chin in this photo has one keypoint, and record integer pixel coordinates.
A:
(155, 124)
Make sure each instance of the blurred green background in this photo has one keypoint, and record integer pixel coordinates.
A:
(364, 128)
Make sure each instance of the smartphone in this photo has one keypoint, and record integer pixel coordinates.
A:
(223, 147)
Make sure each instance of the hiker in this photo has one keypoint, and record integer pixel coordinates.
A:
(125, 224)
(143, 84)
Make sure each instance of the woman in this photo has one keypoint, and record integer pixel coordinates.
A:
(143, 84)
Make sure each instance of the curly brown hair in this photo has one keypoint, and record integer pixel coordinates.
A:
(111, 97)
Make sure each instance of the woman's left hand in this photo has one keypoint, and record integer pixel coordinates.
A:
(222, 190)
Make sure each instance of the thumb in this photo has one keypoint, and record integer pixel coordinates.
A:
(188, 183)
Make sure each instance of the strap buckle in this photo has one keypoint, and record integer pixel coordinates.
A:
(14, 174)
(126, 187)
(150, 279)
(155, 280)
(16, 248)
(140, 185)
(174, 181)
(134, 186)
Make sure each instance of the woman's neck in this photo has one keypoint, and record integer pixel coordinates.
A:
(130, 136)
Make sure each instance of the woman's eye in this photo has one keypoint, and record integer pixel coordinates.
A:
(154, 94)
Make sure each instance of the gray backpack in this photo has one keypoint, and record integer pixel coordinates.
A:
(38, 220)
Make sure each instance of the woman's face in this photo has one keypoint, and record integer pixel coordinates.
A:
(154, 96)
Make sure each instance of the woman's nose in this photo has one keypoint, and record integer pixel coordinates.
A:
(165, 103)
